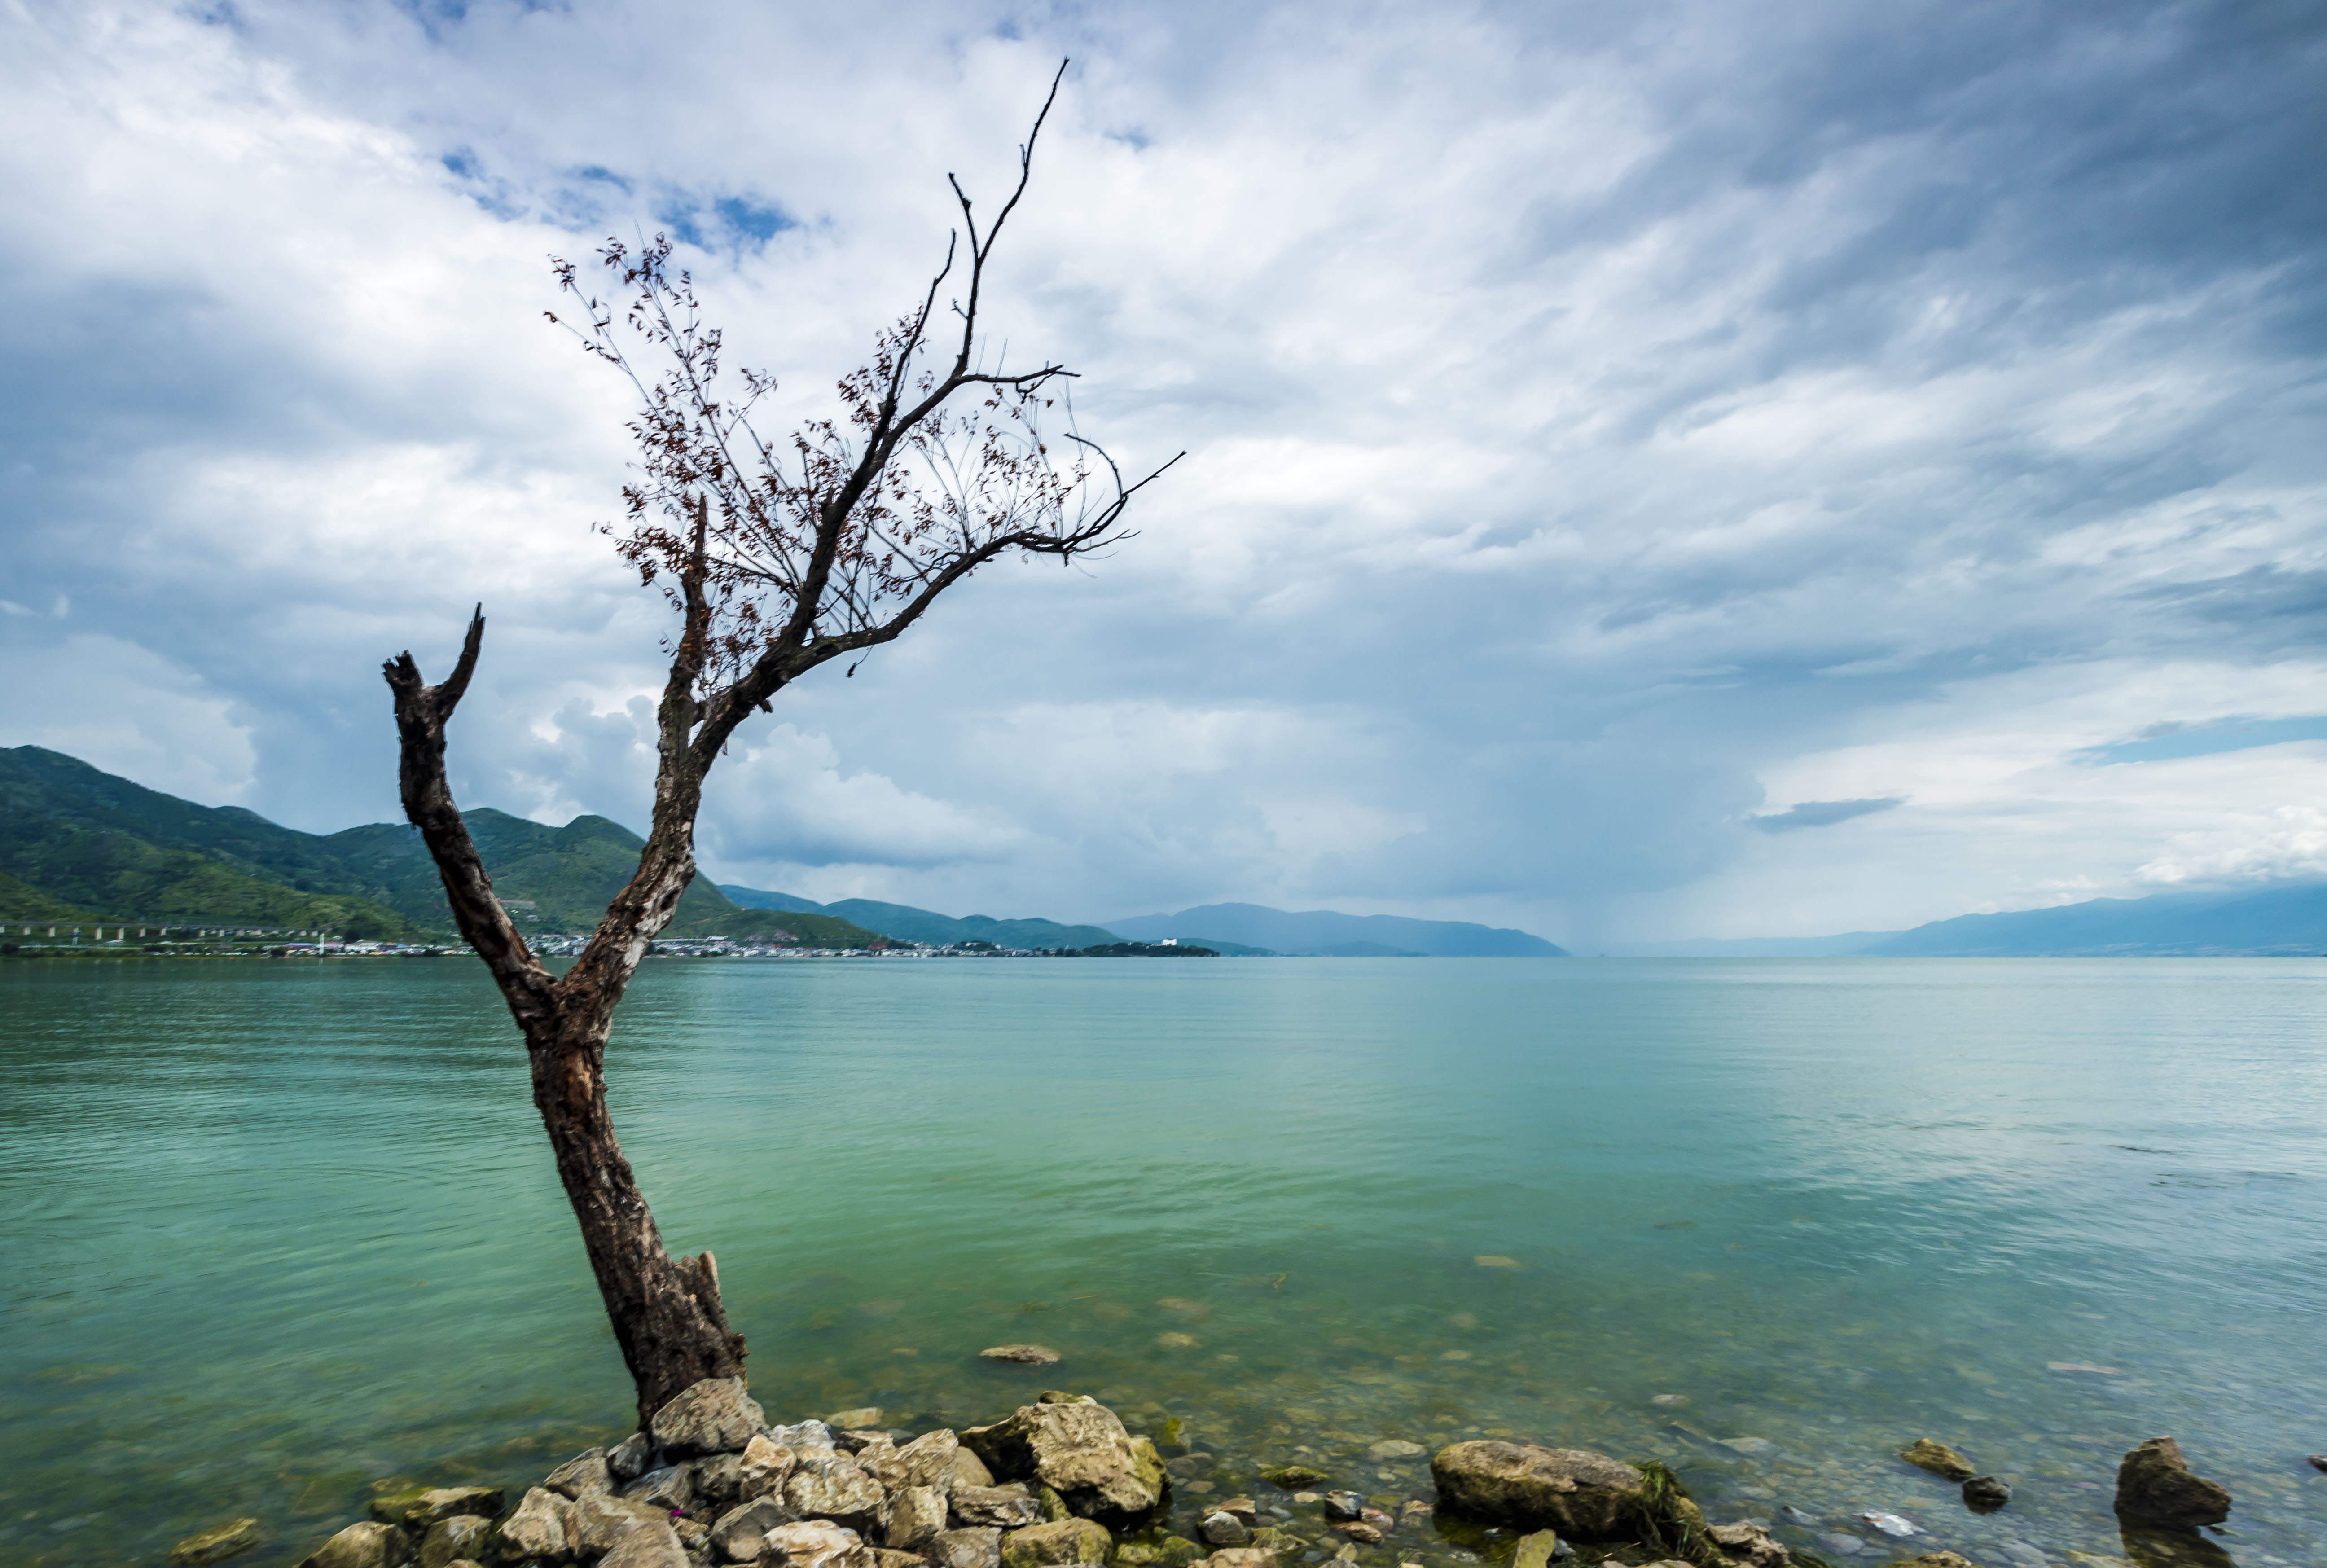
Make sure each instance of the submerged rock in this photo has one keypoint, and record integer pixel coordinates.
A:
(1025, 1355)
(1393, 1448)
(1939, 1458)
(1749, 1546)
(1986, 1494)
(418, 1508)
(216, 1544)
(1932, 1560)
(2154, 1487)
(369, 1544)
(1243, 1557)
(1293, 1478)
(1063, 1542)
(1224, 1530)
(1344, 1506)
(1080, 1450)
(713, 1416)
(1581, 1495)
(862, 1417)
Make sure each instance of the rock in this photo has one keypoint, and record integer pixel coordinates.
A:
(1891, 1525)
(1362, 1533)
(2154, 1487)
(864, 1415)
(1054, 1506)
(1082, 1452)
(416, 1508)
(669, 1488)
(1845, 1545)
(831, 1485)
(1343, 1506)
(970, 1471)
(1241, 1507)
(1749, 1544)
(913, 1517)
(1284, 1542)
(1224, 1530)
(2318, 1460)
(462, 1537)
(890, 1557)
(1932, 1560)
(713, 1416)
(719, 1479)
(1006, 1507)
(1581, 1495)
(736, 1536)
(1937, 1458)
(926, 1461)
(1025, 1355)
(761, 1468)
(1177, 1552)
(1986, 1494)
(1243, 1557)
(864, 1441)
(216, 1544)
(1293, 1478)
(1393, 1448)
(978, 1547)
(629, 1459)
(1377, 1519)
(653, 1545)
(1065, 1541)
(543, 1528)
(587, 1471)
(371, 1545)
(1539, 1549)
(601, 1519)
(802, 1437)
(811, 1543)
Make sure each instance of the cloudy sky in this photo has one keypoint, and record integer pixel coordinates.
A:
(1654, 470)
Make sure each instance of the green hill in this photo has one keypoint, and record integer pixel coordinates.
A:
(907, 924)
(78, 843)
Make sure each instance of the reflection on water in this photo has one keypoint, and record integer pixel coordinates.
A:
(279, 1232)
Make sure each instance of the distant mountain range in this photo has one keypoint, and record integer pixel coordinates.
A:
(1328, 934)
(2280, 922)
(80, 844)
(907, 924)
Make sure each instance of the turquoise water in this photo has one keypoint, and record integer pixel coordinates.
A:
(279, 1232)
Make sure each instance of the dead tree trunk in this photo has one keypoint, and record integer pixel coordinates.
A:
(666, 1312)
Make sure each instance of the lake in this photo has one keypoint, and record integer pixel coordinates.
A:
(277, 1233)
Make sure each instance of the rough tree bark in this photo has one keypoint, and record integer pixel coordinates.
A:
(773, 574)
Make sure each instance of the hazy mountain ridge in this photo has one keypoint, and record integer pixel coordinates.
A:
(2275, 922)
(904, 923)
(1330, 933)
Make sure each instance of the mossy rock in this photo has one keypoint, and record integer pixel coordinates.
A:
(1178, 1552)
(216, 1545)
(1295, 1477)
(1056, 1543)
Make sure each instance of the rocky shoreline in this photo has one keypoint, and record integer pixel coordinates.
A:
(1063, 1483)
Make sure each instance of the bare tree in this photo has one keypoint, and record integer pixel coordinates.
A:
(777, 557)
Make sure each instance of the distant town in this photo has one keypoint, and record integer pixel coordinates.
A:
(35, 939)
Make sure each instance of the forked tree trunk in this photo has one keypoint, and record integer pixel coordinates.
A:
(665, 1311)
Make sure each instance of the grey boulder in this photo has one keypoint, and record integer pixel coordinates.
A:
(459, 1538)
(1224, 1529)
(1581, 1495)
(713, 1416)
(587, 1471)
(1986, 1494)
(632, 1458)
(601, 1519)
(812, 1544)
(977, 1547)
(914, 1517)
(761, 1468)
(542, 1529)
(653, 1545)
(926, 1461)
(669, 1488)
(738, 1534)
(831, 1485)
(1082, 1452)
(1006, 1507)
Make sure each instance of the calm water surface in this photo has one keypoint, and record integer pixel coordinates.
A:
(275, 1234)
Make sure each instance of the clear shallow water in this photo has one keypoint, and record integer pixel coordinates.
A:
(277, 1233)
